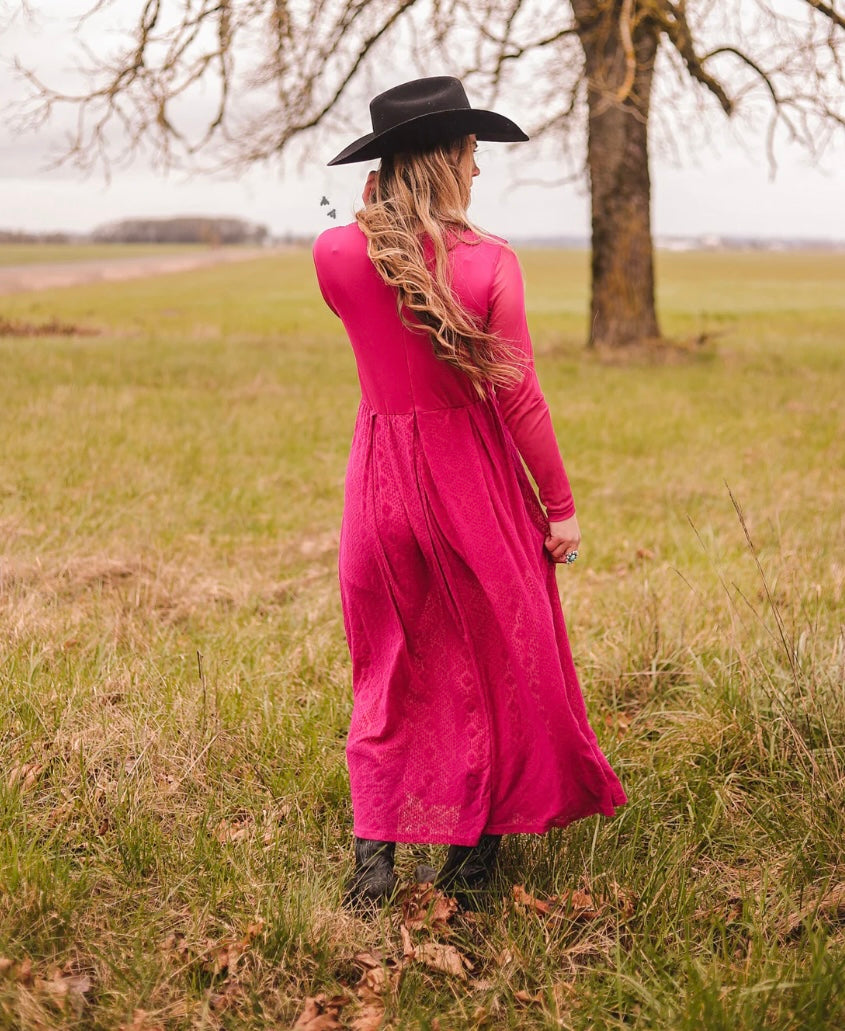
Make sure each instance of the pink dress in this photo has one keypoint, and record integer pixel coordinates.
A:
(467, 715)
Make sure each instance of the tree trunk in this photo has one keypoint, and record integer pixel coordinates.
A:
(622, 307)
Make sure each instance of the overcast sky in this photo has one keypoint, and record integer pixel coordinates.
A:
(724, 189)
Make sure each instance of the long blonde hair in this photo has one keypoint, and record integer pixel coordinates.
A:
(421, 194)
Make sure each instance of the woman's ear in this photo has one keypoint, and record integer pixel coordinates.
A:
(370, 187)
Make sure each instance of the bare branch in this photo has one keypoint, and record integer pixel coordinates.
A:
(624, 90)
(677, 29)
(265, 72)
(764, 78)
(828, 11)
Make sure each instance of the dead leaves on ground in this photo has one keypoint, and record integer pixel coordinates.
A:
(423, 909)
(563, 994)
(428, 912)
(25, 775)
(213, 957)
(321, 1013)
(65, 987)
(578, 903)
(379, 980)
(244, 826)
(424, 906)
(442, 957)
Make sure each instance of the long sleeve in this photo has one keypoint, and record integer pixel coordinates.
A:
(524, 407)
(322, 252)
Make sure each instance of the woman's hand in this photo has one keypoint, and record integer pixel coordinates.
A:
(369, 187)
(563, 539)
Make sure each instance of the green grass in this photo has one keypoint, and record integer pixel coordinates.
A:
(58, 253)
(173, 485)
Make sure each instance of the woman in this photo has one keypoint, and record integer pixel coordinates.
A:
(468, 721)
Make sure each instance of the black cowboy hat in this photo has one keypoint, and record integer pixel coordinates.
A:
(422, 113)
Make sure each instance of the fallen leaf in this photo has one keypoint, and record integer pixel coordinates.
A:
(220, 1001)
(175, 943)
(407, 945)
(321, 1013)
(222, 958)
(379, 978)
(575, 904)
(370, 1016)
(79, 983)
(427, 907)
(522, 898)
(256, 928)
(367, 960)
(6, 965)
(583, 904)
(228, 831)
(67, 989)
(527, 999)
(618, 720)
(168, 783)
(59, 814)
(375, 981)
(444, 958)
(25, 775)
(23, 975)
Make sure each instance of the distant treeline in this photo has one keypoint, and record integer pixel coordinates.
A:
(184, 229)
(15, 236)
(214, 231)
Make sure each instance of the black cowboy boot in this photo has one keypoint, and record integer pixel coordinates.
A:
(373, 879)
(466, 872)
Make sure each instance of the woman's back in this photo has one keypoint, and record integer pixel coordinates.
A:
(396, 365)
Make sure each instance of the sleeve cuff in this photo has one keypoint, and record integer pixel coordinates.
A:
(555, 515)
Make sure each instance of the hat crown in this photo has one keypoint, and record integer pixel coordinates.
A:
(413, 99)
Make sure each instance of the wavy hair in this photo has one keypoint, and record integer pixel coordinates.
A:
(419, 194)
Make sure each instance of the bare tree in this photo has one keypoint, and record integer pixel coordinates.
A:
(279, 68)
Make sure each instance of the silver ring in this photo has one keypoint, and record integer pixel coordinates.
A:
(570, 558)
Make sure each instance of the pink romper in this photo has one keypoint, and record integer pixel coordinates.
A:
(467, 714)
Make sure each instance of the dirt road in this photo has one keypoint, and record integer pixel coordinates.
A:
(19, 278)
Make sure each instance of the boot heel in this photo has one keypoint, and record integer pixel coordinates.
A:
(425, 874)
(373, 879)
(468, 869)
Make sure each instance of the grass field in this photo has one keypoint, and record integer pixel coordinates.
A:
(174, 832)
(60, 253)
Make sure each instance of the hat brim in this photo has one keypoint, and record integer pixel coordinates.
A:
(426, 131)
